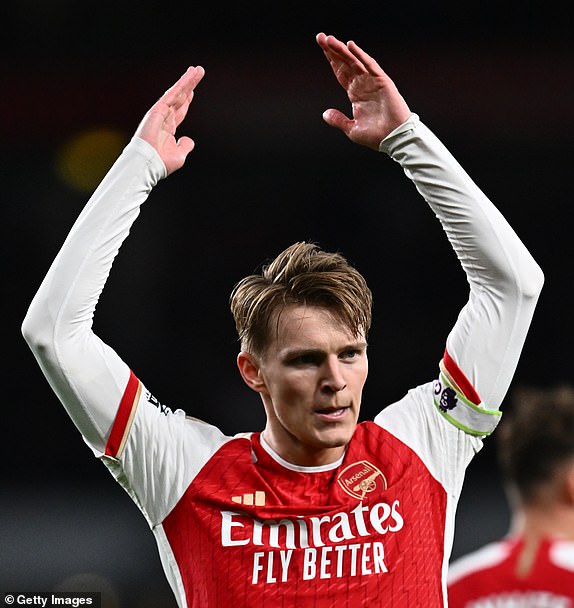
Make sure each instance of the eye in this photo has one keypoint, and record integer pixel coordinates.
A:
(309, 359)
(306, 359)
(351, 354)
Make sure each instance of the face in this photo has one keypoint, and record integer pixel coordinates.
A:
(311, 380)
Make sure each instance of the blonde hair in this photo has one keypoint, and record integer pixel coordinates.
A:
(302, 274)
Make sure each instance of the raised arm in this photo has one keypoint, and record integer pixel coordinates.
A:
(483, 348)
(86, 374)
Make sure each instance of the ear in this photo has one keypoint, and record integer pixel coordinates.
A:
(250, 371)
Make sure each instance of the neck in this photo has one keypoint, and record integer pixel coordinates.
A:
(535, 522)
(299, 454)
(291, 463)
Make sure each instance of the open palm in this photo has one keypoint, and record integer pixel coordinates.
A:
(377, 105)
(160, 123)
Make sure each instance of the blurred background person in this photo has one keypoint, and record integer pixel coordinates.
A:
(534, 564)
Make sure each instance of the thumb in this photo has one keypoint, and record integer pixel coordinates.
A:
(185, 145)
(175, 159)
(335, 118)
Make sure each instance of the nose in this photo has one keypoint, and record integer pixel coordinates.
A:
(333, 380)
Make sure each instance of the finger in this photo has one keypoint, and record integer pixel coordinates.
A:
(179, 92)
(366, 60)
(180, 107)
(329, 46)
(344, 64)
(185, 144)
(179, 96)
(339, 50)
(335, 118)
(328, 41)
(322, 41)
(175, 159)
(190, 79)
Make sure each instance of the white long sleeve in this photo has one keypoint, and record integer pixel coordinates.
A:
(505, 281)
(86, 374)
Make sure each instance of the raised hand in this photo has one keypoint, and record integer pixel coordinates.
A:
(159, 125)
(377, 105)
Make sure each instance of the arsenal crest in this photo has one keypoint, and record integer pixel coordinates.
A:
(361, 478)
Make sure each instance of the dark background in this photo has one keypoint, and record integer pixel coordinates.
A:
(493, 80)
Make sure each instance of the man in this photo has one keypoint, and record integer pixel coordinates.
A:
(534, 564)
(316, 510)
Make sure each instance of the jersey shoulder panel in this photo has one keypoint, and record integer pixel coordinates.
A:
(155, 452)
(562, 554)
(482, 559)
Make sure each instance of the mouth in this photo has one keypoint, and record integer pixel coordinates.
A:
(332, 414)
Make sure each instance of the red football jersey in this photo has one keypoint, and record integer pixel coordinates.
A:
(249, 531)
(490, 577)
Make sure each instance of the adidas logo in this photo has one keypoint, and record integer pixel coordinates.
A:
(257, 499)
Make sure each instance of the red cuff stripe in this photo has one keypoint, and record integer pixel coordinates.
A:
(122, 417)
(461, 380)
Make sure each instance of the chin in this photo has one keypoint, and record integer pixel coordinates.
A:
(335, 439)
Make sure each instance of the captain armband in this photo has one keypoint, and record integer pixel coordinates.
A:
(469, 417)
